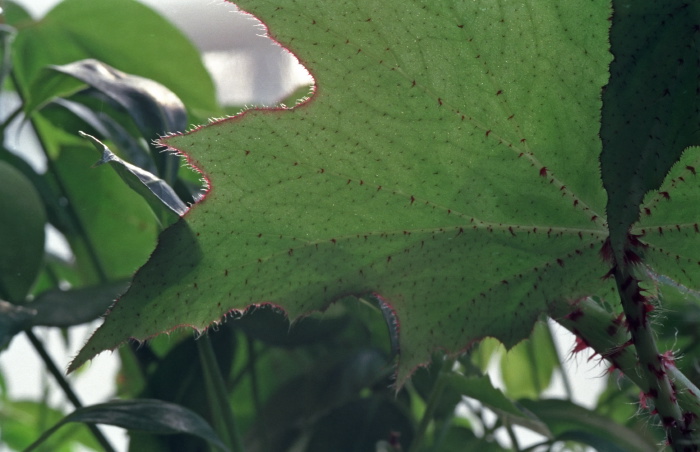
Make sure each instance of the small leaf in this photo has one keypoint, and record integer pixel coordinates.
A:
(149, 415)
(153, 189)
(527, 368)
(22, 221)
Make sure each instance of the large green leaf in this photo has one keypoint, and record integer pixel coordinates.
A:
(447, 162)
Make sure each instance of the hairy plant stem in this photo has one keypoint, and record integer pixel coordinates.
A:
(603, 332)
(655, 382)
(607, 335)
(217, 397)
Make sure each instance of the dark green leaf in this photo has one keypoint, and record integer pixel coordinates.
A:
(567, 420)
(460, 439)
(150, 187)
(650, 106)
(360, 425)
(155, 109)
(272, 327)
(64, 308)
(22, 222)
(13, 319)
(482, 390)
(148, 415)
(327, 385)
(134, 150)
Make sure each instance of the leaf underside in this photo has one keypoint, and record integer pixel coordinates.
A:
(447, 161)
(650, 114)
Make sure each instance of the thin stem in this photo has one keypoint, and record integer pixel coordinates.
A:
(433, 400)
(441, 435)
(10, 118)
(238, 377)
(512, 436)
(252, 358)
(65, 386)
(562, 370)
(219, 406)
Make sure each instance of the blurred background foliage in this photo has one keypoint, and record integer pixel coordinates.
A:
(120, 72)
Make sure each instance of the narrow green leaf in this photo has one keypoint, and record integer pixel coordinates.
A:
(217, 397)
(567, 420)
(115, 221)
(64, 308)
(650, 106)
(151, 188)
(155, 109)
(22, 221)
(460, 439)
(463, 194)
(134, 150)
(482, 390)
(149, 415)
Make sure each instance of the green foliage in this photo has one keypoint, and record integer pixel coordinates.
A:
(441, 185)
(660, 80)
(335, 212)
(24, 223)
